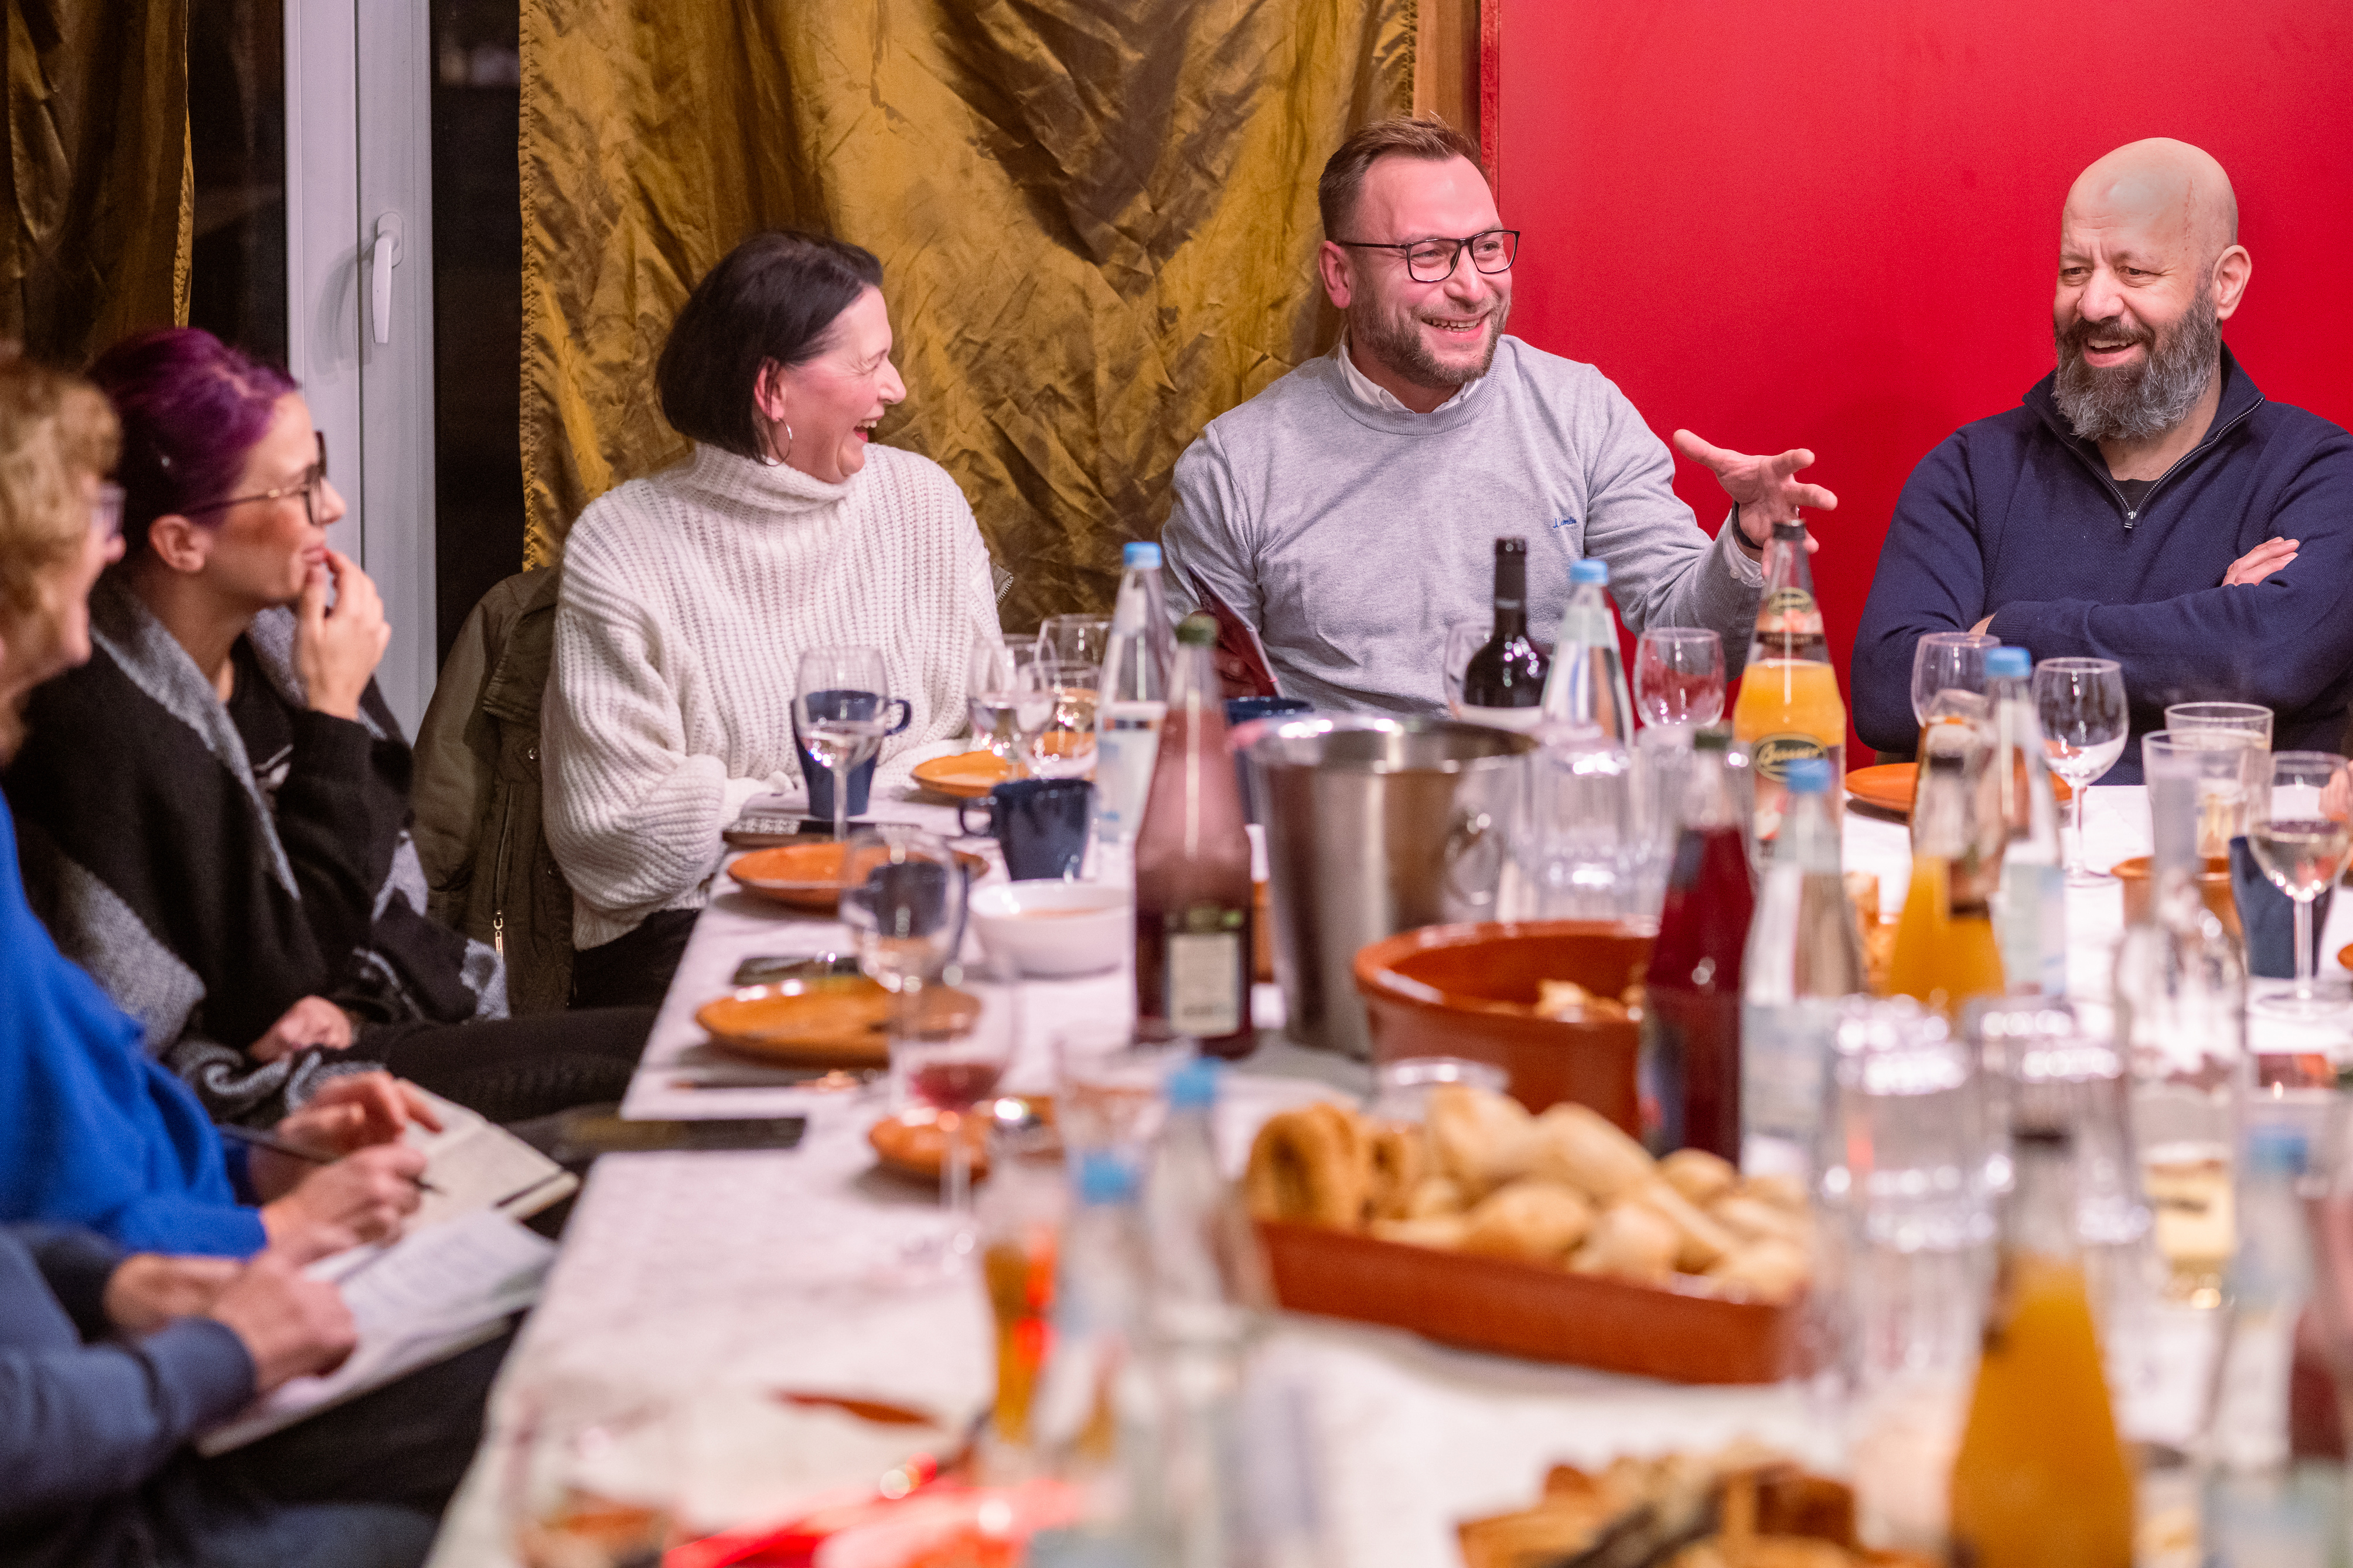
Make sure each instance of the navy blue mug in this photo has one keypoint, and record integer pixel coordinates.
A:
(1040, 824)
(820, 778)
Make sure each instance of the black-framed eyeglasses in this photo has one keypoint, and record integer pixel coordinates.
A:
(313, 477)
(1433, 260)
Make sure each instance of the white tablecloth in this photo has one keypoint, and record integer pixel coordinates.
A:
(711, 1279)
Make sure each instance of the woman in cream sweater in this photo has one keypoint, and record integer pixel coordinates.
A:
(689, 596)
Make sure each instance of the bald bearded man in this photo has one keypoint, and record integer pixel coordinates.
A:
(2145, 503)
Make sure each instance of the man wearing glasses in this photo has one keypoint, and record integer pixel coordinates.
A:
(1348, 512)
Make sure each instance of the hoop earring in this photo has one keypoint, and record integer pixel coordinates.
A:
(778, 462)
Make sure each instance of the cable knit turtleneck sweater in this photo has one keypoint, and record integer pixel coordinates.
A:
(688, 600)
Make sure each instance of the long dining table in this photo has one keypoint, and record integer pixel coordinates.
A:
(711, 1281)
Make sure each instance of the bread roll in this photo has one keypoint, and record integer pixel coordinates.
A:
(1535, 1220)
(1781, 1190)
(1764, 1270)
(1699, 1175)
(1309, 1166)
(1480, 1138)
(1435, 1195)
(1751, 1219)
(1443, 1231)
(1700, 1242)
(1629, 1241)
(1578, 1145)
(1398, 1158)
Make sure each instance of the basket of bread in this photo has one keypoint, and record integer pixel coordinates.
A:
(1554, 1237)
(1746, 1506)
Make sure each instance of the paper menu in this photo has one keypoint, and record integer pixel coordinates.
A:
(423, 1299)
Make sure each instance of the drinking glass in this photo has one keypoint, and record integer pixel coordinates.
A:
(590, 1478)
(1007, 703)
(1111, 1084)
(1581, 848)
(1948, 662)
(840, 739)
(1074, 639)
(1679, 676)
(2223, 763)
(2245, 718)
(1905, 1171)
(2297, 827)
(1063, 746)
(2081, 703)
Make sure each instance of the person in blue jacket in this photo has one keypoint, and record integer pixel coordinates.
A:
(93, 1132)
(2145, 503)
(109, 1365)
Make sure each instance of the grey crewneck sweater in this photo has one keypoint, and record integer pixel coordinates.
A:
(1351, 536)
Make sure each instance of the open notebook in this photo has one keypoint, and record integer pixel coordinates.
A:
(460, 1268)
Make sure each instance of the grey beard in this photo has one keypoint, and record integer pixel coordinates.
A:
(1402, 350)
(2136, 403)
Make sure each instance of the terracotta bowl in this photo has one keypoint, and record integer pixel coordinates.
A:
(2213, 886)
(1471, 991)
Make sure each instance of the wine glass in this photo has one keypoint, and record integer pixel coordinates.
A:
(1063, 747)
(2297, 825)
(2081, 703)
(591, 1476)
(1948, 660)
(1074, 639)
(842, 716)
(1679, 676)
(1008, 705)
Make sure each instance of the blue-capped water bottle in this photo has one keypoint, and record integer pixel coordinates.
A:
(1587, 683)
(1133, 696)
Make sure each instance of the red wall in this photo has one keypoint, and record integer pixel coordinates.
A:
(1836, 227)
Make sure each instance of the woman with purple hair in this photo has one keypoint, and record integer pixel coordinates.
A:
(215, 808)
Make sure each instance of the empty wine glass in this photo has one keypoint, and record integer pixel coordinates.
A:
(842, 715)
(2081, 703)
(1008, 705)
(1948, 662)
(1074, 639)
(1063, 747)
(1679, 676)
(2297, 825)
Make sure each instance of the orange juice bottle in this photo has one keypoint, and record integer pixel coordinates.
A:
(1789, 705)
(1942, 956)
(1947, 950)
(2041, 1478)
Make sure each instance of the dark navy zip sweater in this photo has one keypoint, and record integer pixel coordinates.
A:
(2017, 517)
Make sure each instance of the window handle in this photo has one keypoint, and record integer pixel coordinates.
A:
(386, 256)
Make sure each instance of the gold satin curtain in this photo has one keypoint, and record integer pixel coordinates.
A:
(1096, 220)
(98, 181)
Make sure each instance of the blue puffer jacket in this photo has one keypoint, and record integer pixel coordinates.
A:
(2017, 517)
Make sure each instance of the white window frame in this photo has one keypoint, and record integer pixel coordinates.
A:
(359, 164)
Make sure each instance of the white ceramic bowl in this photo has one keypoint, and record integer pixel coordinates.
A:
(1055, 928)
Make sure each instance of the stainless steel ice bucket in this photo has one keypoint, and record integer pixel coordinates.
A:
(1374, 826)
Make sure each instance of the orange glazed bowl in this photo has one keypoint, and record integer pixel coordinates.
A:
(1471, 991)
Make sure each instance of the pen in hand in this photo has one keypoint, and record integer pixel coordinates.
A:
(277, 1145)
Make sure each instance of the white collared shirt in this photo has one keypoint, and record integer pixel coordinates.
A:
(1372, 394)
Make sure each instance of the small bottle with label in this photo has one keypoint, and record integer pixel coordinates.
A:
(1193, 889)
(1789, 705)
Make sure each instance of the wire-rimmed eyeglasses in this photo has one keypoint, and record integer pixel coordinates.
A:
(307, 489)
(1433, 260)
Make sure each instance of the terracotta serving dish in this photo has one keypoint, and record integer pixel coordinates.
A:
(831, 1021)
(968, 775)
(1524, 1309)
(1889, 787)
(1471, 991)
(913, 1144)
(2213, 888)
(807, 876)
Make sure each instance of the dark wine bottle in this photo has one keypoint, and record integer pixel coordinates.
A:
(1193, 890)
(1506, 675)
